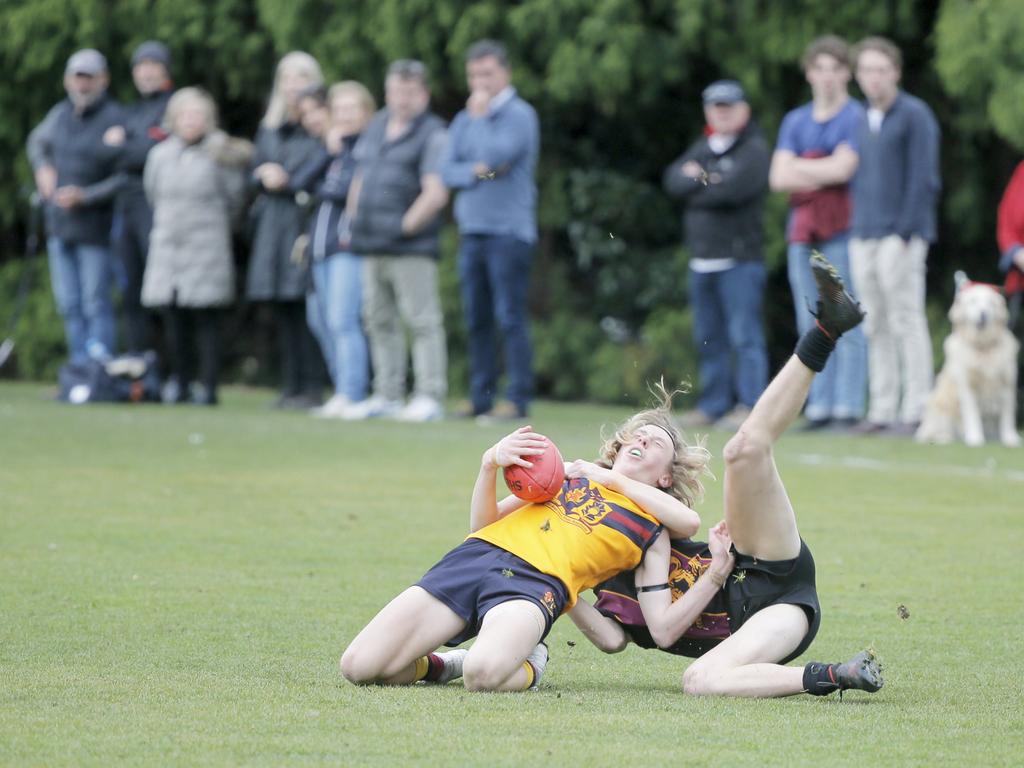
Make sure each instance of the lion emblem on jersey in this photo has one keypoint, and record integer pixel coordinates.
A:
(583, 506)
(684, 570)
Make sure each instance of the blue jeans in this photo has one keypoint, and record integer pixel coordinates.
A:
(495, 274)
(728, 332)
(333, 312)
(839, 391)
(82, 278)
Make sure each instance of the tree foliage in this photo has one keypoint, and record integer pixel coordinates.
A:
(616, 83)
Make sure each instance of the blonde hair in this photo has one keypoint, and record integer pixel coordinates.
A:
(190, 94)
(353, 88)
(301, 63)
(689, 462)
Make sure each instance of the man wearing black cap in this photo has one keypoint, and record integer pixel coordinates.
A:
(723, 179)
(74, 173)
(142, 130)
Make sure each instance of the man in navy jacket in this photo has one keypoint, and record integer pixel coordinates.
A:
(143, 129)
(722, 181)
(895, 192)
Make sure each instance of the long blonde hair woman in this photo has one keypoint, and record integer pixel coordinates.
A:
(296, 71)
(282, 147)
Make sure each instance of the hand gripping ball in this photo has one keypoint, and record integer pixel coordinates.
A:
(542, 481)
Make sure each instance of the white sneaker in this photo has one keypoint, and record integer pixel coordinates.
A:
(539, 659)
(422, 408)
(334, 408)
(453, 661)
(373, 407)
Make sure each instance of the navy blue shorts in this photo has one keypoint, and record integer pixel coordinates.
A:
(476, 576)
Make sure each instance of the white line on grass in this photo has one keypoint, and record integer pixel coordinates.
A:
(990, 470)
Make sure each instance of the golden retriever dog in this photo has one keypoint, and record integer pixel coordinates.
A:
(977, 386)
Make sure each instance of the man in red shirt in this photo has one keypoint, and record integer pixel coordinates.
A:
(1010, 235)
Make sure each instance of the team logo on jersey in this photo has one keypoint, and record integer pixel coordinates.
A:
(683, 571)
(549, 603)
(583, 506)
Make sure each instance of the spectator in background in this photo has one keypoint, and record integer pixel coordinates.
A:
(282, 147)
(335, 304)
(74, 174)
(314, 119)
(491, 159)
(395, 206)
(1010, 235)
(815, 157)
(142, 130)
(895, 192)
(722, 180)
(195, 182)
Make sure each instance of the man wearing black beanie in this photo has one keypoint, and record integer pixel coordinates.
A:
(141, 131)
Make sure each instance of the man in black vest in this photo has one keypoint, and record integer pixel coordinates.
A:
(143, 130)
(75, 175)
(394, 208)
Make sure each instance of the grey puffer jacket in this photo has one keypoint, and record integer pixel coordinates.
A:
(196, 191)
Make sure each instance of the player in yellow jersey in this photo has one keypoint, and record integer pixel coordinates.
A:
(524, 564)
(770, 599)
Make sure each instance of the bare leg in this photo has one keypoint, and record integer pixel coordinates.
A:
(508, 633)
(740, 664)
(412, 625)
(757, 509)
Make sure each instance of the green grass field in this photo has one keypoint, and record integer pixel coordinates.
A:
(176, 586)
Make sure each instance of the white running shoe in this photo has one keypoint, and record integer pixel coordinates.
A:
(374, 407)
(539, 659)
(422, 408)
(453, 661)
(334, 408)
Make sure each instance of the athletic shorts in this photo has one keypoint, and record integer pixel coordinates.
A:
(476, 576)
(755, 584)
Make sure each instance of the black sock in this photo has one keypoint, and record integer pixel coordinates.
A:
(820, 679)
(814, 348)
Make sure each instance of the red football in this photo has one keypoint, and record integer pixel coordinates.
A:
(542, 481)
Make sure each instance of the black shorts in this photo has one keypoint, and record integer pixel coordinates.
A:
(476, 576)
(755, 584)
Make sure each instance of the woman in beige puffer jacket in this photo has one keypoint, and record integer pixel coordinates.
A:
(195, 181)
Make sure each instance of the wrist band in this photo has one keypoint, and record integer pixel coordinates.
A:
(654, 587)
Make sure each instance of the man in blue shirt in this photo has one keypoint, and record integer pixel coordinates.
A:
(815, 157)
(491, 159)
(895, 193)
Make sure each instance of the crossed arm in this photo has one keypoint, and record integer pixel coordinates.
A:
(790, 173)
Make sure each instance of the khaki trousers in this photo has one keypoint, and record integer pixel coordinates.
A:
(401, 290)
(888, 275)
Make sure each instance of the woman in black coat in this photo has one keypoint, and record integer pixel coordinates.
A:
(282, 146)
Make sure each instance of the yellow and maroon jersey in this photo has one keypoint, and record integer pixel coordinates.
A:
(583, 536)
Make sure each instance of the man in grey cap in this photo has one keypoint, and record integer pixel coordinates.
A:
(141, 131)
(75, 176)
(722, 180)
